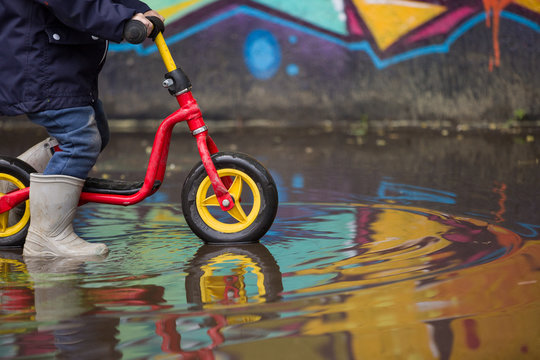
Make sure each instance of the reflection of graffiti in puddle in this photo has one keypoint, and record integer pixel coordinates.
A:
(461, 316)
(386, 243)
(414, 283)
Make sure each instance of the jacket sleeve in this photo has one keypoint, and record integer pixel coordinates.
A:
(103, 18)
(134, 4)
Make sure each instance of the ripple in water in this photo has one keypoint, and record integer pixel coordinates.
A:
(336, 248)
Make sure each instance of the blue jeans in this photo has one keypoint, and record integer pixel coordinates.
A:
(82, 132)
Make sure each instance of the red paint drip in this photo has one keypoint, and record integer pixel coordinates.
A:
(500, 189)
(493, 10)
(473, 342)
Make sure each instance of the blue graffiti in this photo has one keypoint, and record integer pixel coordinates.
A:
(292, 70)
(533, 230)
(393, 191)
(262, 54)
(298, 181)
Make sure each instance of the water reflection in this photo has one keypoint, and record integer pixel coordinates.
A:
(346, 247)
(48, 313)
(375, 281)
(456, 315)
(380, 280)
(48, 307)
(218, 277)
(232, 275)
(406, 282)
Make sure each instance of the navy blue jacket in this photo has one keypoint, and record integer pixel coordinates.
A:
(51, 51)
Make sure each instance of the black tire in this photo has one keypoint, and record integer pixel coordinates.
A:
(19, 219)
(257, 175)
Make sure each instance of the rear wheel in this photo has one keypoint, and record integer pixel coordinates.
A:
(14, 174)
(254, 193)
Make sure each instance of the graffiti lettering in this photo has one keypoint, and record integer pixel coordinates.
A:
(389, 31)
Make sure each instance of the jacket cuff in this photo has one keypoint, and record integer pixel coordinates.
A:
(136, 5)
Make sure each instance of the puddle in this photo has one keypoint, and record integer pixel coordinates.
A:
(424, 248)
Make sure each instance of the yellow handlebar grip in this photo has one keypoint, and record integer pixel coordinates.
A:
(165, 53)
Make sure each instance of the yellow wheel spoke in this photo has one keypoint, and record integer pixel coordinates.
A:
(238, 213)
(236, 188)
(4, 217)
(17, 223)
(211, 201)
(242, 220)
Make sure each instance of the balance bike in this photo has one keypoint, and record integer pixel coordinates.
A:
(228, 197)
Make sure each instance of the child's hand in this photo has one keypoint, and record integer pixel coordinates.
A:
(154, 13)
(147, 23)
(142, 18)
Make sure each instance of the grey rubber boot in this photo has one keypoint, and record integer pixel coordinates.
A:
(38, 156)
(53, 204)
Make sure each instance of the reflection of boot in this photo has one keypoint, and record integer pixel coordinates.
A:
(38, 156)
(57, 293)
(64, 310)
(53, 202)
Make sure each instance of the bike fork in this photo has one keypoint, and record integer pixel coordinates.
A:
(179, 85)
(207, 148)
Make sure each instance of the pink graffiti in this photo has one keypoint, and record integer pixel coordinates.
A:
(444, 25)
(352, 22)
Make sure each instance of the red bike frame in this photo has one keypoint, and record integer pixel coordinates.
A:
(189, 111)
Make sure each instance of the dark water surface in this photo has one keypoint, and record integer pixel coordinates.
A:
(398, 244)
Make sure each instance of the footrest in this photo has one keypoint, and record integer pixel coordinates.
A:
(115, 187)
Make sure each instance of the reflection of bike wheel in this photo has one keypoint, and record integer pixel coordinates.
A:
(14, 174)
(233, 274)
(254, 193)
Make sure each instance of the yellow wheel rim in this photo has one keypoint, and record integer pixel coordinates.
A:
(5, 228)
(237, 219)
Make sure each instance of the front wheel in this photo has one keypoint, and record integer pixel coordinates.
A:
(254, 193)
(14, 174)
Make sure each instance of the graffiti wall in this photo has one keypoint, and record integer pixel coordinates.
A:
(457, 60)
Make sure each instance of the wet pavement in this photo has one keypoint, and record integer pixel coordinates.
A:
(393, 243)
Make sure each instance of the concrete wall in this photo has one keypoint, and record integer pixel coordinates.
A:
(465, 61)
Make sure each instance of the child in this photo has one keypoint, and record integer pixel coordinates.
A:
(52, 53)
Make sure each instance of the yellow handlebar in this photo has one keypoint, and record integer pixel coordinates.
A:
(165, 53)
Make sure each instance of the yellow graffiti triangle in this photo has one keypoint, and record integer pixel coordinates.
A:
(389, 20)
(171, 10)
(533, 5)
